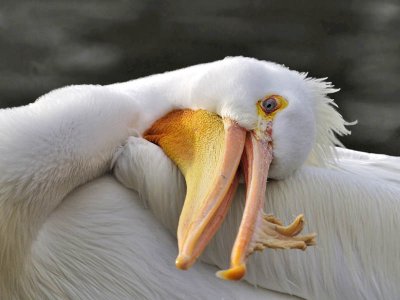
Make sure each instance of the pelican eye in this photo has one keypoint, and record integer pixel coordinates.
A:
(270, 104)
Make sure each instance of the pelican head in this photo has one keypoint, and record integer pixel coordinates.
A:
(242, 115)
(240, 88)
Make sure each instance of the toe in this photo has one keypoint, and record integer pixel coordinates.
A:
(293, 229)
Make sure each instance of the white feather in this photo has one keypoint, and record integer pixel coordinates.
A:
(354, 210)
(101, 243)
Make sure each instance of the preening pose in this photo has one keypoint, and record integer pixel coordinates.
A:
(75, 182)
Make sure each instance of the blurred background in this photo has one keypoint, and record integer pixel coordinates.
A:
(356, 44)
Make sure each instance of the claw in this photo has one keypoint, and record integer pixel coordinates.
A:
(309, 239)
(282, 244)
(271, 218)
(293, 229)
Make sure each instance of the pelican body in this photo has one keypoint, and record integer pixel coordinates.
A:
(98, 182)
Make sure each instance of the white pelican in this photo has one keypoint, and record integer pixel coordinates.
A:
(68, 230)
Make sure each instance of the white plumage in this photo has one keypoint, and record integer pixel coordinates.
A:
(98, 241)
(354, 206)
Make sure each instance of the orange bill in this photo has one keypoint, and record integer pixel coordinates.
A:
(258, 230)
(255, 164)
(208, 150)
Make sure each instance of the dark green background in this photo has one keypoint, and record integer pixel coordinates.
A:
(49, 44)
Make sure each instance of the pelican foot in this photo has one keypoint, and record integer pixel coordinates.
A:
(270, 233)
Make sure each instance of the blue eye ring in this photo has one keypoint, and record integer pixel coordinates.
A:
(269, 104)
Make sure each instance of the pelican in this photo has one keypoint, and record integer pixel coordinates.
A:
(77, 177)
